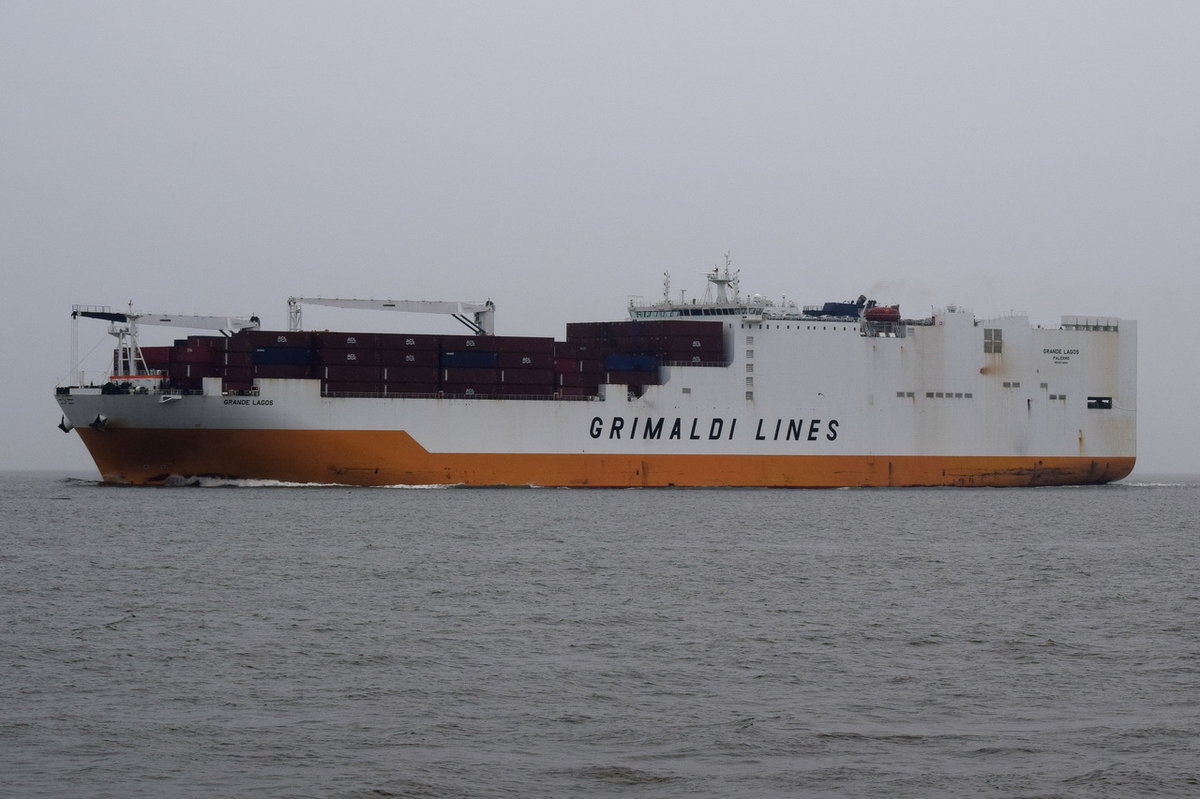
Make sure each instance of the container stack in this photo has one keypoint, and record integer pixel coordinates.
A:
(631, 352)
(391, 364)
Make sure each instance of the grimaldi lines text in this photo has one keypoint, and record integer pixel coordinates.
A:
(730, 390)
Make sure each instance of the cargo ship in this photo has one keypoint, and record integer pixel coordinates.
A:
(723, 390)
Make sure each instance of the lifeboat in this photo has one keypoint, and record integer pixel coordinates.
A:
(883, 313)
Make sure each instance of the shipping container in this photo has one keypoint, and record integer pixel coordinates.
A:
(157, 358)
(566, 349)
(579, 391)
(469, 359)
(566, 365)
(178, 370)
(325, 339)
(370, 387)
(362, 357)
(240, 374)
(192, 354)
(276, 338)
(281, 356)
(541, 345)
(352, 373)
(527, 377)
(413, 358)
(411, 342)
(411, 374)
(513, 390)
(630, 363)
(460, 375)
(468, 343)
(469, 389)
(392, 388)
(237, 358)
(577, 379)
(294, 371)
(526, 360)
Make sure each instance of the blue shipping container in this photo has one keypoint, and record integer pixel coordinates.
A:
(469, 359)
(282, 356)
(630, 363)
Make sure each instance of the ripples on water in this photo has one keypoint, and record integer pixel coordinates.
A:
(331, 642)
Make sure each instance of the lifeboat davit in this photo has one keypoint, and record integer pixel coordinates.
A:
(883, 313)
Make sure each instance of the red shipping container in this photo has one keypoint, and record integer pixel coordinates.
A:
(566, 365)
(411, 388)
(469, 389)
(476, 343)
(411, 374)
(465, 375)
(278, 338)
(157, 357)
(372, 387)
(194, 355)
(526, 360)
(579, 391)
(238, 358)
(352, 373)
(361, 357)
(527, 377)
(408, 341)
(282, 370)
(407, 358)
(578, 379)
(541, 345)
(241, 374)
(345, 341)
(524, 391)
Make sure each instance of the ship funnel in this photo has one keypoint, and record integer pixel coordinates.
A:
(99, 423)
(65, 426)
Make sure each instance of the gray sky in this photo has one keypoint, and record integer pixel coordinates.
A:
(218, 157)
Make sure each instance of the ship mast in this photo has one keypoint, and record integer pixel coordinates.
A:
(723, 279)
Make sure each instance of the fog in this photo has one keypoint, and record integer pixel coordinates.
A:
(218, 157)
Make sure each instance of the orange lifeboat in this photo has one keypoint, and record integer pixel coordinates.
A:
(883, 313)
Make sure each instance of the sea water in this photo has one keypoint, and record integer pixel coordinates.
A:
(285, 641)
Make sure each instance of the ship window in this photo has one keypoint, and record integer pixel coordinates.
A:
(687, 390)
(1045, 385)
(749, 367)
(958, 395)
(749, 382)
(749, 340)
(992, 340)
(928, 395)
(940, 395)
(968, 395)
(1100, 403)
(750, 395)
(749, 353)
(900, 394)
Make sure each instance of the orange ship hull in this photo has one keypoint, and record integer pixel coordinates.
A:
(371, 457)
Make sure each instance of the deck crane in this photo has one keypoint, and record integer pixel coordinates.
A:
(129, 362)
(481, 320)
